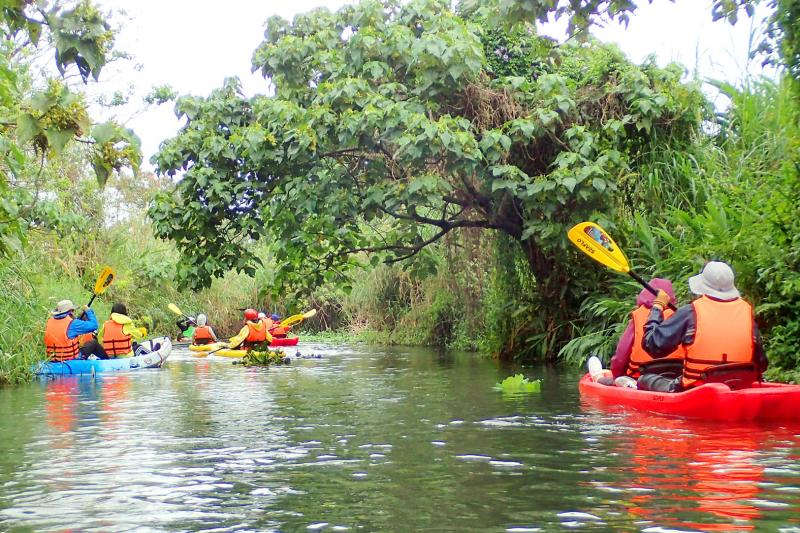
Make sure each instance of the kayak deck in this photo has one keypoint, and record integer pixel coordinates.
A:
(154, 359)
(712, 401)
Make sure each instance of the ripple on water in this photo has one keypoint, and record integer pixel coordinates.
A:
(219, 447)
(473, 457)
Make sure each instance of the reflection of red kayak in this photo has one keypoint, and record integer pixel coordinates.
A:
(712, 401)
(284, 341)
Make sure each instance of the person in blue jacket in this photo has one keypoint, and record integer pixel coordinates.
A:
(63, 329)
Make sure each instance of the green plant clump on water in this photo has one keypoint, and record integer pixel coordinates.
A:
(263, 358)
(517, 384)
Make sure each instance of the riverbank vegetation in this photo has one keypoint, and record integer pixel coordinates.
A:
(412, 178)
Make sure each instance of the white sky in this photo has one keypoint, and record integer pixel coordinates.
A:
(193, 45)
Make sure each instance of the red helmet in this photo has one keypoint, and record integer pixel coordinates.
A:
(250, 314)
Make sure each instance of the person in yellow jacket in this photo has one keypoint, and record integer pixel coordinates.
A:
(119, 333)
(253, 332)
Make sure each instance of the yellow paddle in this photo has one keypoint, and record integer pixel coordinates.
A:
(175, 309)
(295, 319)
(595, 242)
(104, 280)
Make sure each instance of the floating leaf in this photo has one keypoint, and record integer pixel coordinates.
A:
(518, 384)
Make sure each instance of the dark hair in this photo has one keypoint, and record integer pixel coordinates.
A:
(119, 309)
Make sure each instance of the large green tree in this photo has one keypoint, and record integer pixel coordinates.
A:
(395, 123)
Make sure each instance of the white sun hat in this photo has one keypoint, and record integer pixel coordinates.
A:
(715, 280)
(62, 307)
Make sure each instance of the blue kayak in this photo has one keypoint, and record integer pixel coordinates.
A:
(154, 359)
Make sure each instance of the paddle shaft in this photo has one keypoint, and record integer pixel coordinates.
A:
(83, 314)
(649, 287)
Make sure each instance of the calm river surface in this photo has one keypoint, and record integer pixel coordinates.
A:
(375, 440)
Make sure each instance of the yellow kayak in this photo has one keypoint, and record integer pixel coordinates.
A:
(227, 352)
(203, 349)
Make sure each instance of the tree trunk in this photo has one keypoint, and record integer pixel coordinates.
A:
(554, 305)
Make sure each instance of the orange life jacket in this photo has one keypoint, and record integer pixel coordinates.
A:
(86, 337)
(202, 335)
(638, 355)
(257, 333)
(57, 345)
(115, 342)
(724, 334)
(280, 331)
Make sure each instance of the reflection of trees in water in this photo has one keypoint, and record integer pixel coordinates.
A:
(193, 417)
(686, 474)
(384, 410)
(19, 424)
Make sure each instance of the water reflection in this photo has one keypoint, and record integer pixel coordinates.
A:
(694, 475)
(378, 440)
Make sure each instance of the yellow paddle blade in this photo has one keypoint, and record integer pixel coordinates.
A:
(595, 242)
(174, 309)
(105, 279)
(294, 319)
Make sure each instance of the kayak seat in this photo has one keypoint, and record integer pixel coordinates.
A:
(669, 368)
(734, 375)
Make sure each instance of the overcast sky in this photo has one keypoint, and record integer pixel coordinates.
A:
(193, 45)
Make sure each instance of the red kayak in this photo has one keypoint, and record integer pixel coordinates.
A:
(712, 401)
(284, 341)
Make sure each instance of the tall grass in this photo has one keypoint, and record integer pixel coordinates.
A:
(751, 172)
(51, 268)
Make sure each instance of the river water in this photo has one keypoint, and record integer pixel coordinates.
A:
(373, 439)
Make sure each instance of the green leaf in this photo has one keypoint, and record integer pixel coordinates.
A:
(27, 128)
(518, 384)
(102, 172)
(599, 184)
(57, 139)
(104, 132)
(503, 184)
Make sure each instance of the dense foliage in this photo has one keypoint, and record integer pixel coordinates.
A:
(43, 116)
(441, 153)
(583, 14)
(393, 125)
(750, 171)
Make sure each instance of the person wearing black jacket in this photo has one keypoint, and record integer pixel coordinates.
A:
(716, 329)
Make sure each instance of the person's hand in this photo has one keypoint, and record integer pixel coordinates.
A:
(84, 308)
(662, 300)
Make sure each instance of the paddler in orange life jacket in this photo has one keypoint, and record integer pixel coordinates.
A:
(715, 329)
(277, 330)
(203, 333)
(630, 355)
(119, 333)
(267, 321)
(62, 331)
(253, 332)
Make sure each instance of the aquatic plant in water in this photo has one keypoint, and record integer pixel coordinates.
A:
(518, 384)
(263, 358)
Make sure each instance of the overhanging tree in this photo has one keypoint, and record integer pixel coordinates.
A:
(393, 124)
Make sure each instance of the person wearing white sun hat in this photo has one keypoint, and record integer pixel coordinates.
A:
(716, 329)
(62, 331)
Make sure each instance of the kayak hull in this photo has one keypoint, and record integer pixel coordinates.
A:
(227, 352)
(201, 350)
(154, 359)
(712, 401)
(284, 341)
